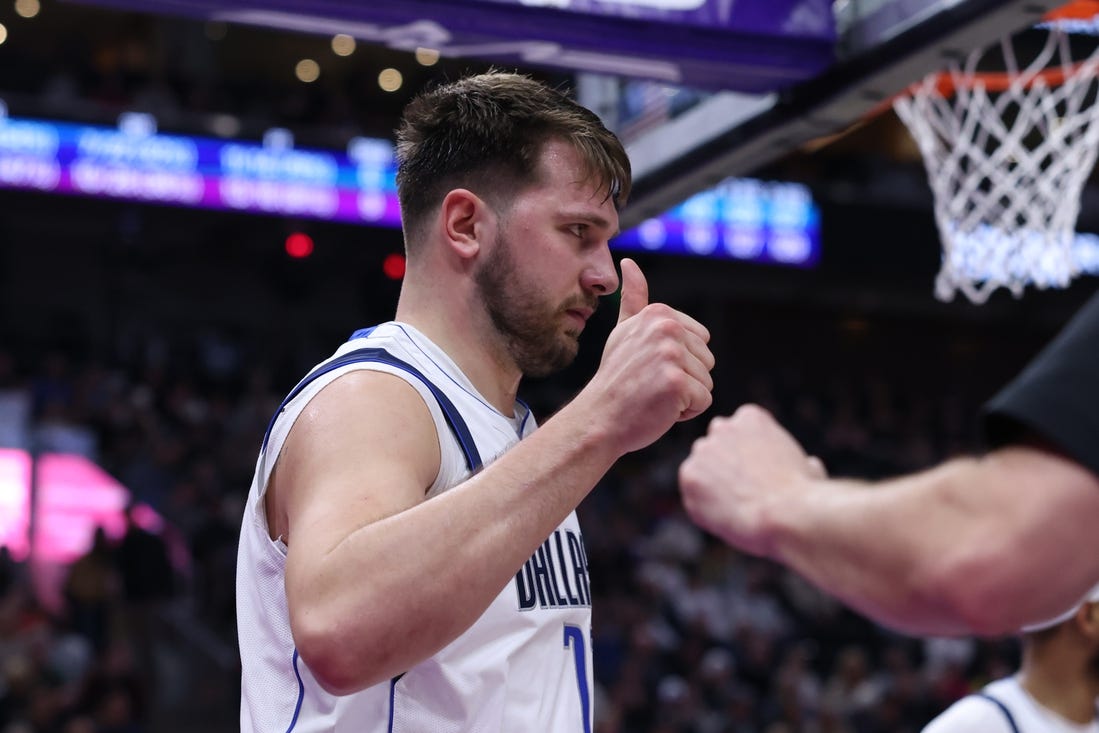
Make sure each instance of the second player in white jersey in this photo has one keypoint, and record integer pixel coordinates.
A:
(1004, 707)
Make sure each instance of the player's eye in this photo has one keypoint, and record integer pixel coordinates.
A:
(579, 230)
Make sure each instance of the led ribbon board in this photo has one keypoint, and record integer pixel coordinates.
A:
(200, 172)
(739, 219)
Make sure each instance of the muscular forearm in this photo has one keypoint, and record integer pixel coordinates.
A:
(969, 547)
(881, 549)
(457, 551)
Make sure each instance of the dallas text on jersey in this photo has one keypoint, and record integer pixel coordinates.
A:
(556, 575)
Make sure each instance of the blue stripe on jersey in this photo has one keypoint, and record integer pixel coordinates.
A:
(1003, 708)
(523, 424)
(301, 692)
(450, 412)
(457, 384)
(362, 333)
(392, 695)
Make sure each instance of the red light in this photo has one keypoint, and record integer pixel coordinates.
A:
(299, 245)
(393, 266)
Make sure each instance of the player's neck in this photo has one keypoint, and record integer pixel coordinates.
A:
(1059, 679)
(463, 332)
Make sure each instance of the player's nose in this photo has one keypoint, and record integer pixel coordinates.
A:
(600, 275)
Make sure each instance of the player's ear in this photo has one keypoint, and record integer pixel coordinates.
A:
(468, 222)
(1087, 620)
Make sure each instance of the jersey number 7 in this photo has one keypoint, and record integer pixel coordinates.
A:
(574, 637)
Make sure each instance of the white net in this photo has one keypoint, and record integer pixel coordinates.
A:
(1007, 165)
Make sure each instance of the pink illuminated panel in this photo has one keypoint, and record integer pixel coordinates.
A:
(15, 480)
(74, 497)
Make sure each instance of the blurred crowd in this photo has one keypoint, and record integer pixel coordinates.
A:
(144, 638)
(689, 636)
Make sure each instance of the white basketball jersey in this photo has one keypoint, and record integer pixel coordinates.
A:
(1004, 707)
(524, 665)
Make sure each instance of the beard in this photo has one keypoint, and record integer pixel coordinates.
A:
(530, 326)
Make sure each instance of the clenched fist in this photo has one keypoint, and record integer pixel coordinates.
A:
(742, 472)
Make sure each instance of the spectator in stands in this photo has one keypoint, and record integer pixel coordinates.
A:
(148, 583)
(91, 588)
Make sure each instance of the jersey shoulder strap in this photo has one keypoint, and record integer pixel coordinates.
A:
(373, 354)
(1003, 709)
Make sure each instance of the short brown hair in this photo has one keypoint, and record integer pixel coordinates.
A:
(486, 133)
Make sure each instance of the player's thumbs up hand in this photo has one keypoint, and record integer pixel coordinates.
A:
(655, 368)
(635, 290)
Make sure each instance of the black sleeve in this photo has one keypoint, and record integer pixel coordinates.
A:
(1056, 397)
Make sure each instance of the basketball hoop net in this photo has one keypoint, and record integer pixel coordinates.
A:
(1007, 155)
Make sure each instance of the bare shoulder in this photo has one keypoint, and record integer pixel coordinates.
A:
(365, 447)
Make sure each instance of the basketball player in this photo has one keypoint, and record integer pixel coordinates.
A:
(1054, 691)
(975, 545)
(410, 559)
